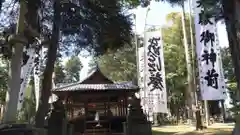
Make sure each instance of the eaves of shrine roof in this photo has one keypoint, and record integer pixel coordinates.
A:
(91, 83)
(97, 87)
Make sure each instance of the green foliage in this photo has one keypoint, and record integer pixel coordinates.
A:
(227, 65)
(110, 30)
(3, 81)
(72, 68)
(174, 19)
(211, 7)
(119, 65)
(69, 72)
(231, 79)
(130, 3)
(59, 73)
(174, 59)
(28, 111)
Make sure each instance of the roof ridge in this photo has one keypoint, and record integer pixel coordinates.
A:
(114, 86)
(97, 68)
(67, 85)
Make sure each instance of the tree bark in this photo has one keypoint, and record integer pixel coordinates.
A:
(16, 61)
(178, 114)
(189, 93)
(223, 111)
(47, 74)
(206, 109)
(199, 124)
(232, 19)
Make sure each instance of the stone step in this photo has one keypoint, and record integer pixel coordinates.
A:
(96, 130)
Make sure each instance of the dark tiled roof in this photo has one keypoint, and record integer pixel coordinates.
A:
(82, 87)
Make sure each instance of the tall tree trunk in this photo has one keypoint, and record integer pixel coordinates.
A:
(223, 111)
(136, 49)
(232, 19)
(16, 61)
(189, 92)
(193, 52)
(47, 74)
(194, 80)
(178, 113)
(206, 109)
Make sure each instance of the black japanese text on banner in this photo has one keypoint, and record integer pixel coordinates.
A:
(212, 84)
(155, 96)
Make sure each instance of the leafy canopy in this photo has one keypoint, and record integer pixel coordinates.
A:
(120, 65)
(72, 68)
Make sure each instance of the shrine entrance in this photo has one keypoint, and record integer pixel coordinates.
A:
(96, 105)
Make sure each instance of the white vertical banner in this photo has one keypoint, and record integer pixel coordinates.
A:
(212, 83)
(26, 70)
(53, 97)
(141, 66)
(141, 75)
(37, 74)
(36, 85)
(154, 79)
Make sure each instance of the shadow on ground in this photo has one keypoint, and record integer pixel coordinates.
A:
(162, 133)
(205, 132)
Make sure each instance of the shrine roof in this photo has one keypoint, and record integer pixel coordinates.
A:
(95, 81)
(79, 87)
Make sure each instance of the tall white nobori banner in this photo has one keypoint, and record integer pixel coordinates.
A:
(212, 84)
(37, 85)
(141, 74)
(141, 66)
(27, 68)
(53, 97)
(154, 80)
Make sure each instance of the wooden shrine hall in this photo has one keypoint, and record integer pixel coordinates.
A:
(96, 105)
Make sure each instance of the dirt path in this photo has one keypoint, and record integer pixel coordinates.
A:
(216, 129)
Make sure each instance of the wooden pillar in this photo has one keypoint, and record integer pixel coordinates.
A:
(67, 109)
(72, 109)
(122, 103)
(105, 109)
(117, 110)
(109, 119)
(85, 116)
(125, 104)
(120, 107)
(64, 124)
